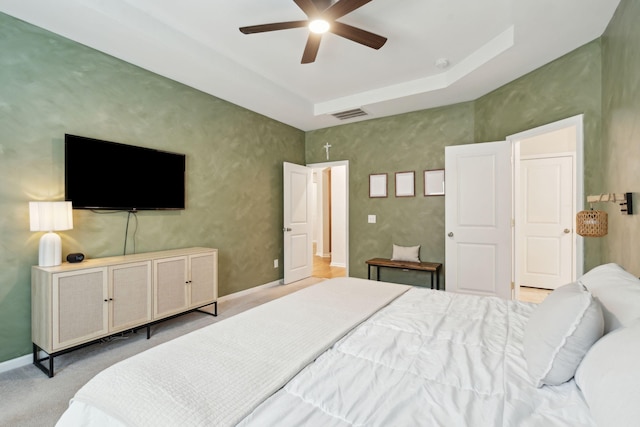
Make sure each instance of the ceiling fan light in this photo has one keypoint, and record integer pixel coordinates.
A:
(319, 26)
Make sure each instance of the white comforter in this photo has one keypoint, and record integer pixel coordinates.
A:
(430, 358)
(215, 376)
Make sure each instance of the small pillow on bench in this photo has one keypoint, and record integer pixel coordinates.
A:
(406, 253)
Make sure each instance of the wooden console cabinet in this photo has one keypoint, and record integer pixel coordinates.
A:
(73, 305)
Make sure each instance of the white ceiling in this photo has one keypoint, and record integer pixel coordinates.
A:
(197, 42)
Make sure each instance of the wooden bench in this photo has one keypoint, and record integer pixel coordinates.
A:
(431, 267)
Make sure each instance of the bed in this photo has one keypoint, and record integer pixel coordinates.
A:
(351, 352)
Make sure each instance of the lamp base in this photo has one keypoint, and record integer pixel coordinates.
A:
(50, 250)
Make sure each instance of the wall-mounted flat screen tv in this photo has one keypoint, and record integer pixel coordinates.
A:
(109, 175)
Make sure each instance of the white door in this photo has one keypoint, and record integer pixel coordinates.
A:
(478, 211)
(544, 222)
(297, 222)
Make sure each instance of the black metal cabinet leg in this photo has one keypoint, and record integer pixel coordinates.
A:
(38, 362)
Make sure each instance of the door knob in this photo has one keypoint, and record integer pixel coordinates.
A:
(567, 231)
(450, 234)
(286, 229)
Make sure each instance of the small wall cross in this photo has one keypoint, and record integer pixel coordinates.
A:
(326, 148)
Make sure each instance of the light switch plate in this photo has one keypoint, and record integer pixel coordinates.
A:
(371, 219)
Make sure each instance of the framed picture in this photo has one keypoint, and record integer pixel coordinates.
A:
(434, 182)
(377, 185)
(405, 184)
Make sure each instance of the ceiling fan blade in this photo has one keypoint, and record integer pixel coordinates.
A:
(311, 49)
(308, 7)
(252, 29)
(358, 35)
(342, 7)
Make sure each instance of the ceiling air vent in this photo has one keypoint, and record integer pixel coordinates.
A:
(350, 114)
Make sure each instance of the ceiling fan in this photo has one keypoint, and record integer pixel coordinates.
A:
(322, 15)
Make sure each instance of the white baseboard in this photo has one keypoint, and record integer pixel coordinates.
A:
(338, 264)
(18, 362)
(27, 359)
(250, 290)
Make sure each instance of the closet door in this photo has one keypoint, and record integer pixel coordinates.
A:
(544, 222)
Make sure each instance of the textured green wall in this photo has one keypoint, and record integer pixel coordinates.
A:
(50, 86)
(416, 141)
(407, 142)
(621, 132)
(566, 87)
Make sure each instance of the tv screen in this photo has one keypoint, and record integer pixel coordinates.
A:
(109, 175)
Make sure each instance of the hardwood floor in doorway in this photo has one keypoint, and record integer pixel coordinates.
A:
(533, 294)
(322, 268)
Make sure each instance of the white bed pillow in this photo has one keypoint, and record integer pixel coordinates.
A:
(617, 291)
(609, 378)
(406, 253)
(559, 332)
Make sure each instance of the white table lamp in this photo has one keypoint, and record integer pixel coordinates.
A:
(50, 217)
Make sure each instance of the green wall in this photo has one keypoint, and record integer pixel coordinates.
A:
(407, 142)
(566, 87)
(620, 159)
(50, 86)
(416, 141)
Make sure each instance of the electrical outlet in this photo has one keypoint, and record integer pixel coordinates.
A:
(371, 219)
(275, 263)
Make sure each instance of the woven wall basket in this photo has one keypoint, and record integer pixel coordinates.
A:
(592, 223)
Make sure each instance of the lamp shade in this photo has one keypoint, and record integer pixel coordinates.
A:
(50, 216)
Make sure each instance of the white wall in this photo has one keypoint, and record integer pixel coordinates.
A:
(559, 141)
(338, 216)
(321, 214)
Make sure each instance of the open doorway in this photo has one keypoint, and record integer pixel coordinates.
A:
(330, 219)
(477, 237)
(548, 182)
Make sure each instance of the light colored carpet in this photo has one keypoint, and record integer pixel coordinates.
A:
(29, 398)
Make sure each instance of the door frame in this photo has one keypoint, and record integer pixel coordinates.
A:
(578, 123)
(344, 163)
